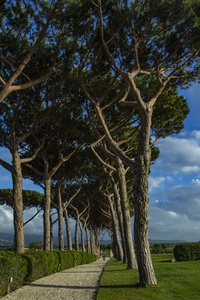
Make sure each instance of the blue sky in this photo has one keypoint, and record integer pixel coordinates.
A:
(174, 184)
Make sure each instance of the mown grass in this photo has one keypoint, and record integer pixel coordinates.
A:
(176, 280)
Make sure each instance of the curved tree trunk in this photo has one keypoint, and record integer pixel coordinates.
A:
(18, 203)
(82, 238)
(114, 249)
(51, 234)
(60, 219)
(68, 229)
(141, 200)
(93, 247)
(115, 227)
(131, 259)
(97, 242)
(120, 218)
(46, 215)
(76, 233)
(88, 241)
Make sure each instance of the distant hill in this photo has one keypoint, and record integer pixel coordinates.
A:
(151, 242)
(106, 242)
(6, 240)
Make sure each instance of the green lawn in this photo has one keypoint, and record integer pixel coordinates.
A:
(176, 280)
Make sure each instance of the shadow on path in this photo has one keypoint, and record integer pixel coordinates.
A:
(63, 286)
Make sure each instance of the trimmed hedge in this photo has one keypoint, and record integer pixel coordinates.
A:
(187, 251)
(41, 264)
(12, 267)
(17, 270)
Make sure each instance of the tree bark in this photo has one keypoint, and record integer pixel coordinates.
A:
(115, 249)
(68, 230)
(141, 200)
(51, 234)
(120, 218)
(131, 259)
(18, 203)
(76, 233)
(93, 247)
(97, 242)
(46, 215)
(88, 241)
(115, 227)
(60, 218)
(82, 238)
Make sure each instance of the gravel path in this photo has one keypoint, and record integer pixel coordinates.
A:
(78, 283)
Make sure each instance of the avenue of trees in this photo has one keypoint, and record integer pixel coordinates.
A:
(87, 89)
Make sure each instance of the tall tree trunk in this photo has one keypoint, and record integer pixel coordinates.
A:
(82, 238)
(76, 233)
(93, 248)
(141, 200)
(114, 246)
(46, 215)
(120, 218)
(97, 242)
(51, 234)
(131, 259)
(60, 218)
(115, 227)
(88, 241)
(18, 203)
(68, 229)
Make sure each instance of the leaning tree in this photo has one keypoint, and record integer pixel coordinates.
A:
(152, 47)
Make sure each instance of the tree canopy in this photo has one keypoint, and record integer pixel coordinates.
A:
(93, 75)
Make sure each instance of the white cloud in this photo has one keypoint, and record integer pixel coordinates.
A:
(36, 225)
(169, 178)
(169, 225)
(180, 155)
(6, 219)
(191, 169)
(182, 199)
(196, 134)
(175, 214)
(33, 227)
(196, 181)
(155, 182)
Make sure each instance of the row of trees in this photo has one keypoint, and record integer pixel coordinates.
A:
(94, 76)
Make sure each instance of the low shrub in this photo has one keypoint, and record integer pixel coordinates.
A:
(13, 271)
(66, 260)
(40, 264)
(187, 251)
(85, 258)
(157, 248)
(19, 269)
(35, 246)
(92, 257)
(5, 274)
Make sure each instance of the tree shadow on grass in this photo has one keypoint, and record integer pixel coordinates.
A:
(137, 285)
(116, 270)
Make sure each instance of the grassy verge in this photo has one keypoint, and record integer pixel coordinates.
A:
(177, 280)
